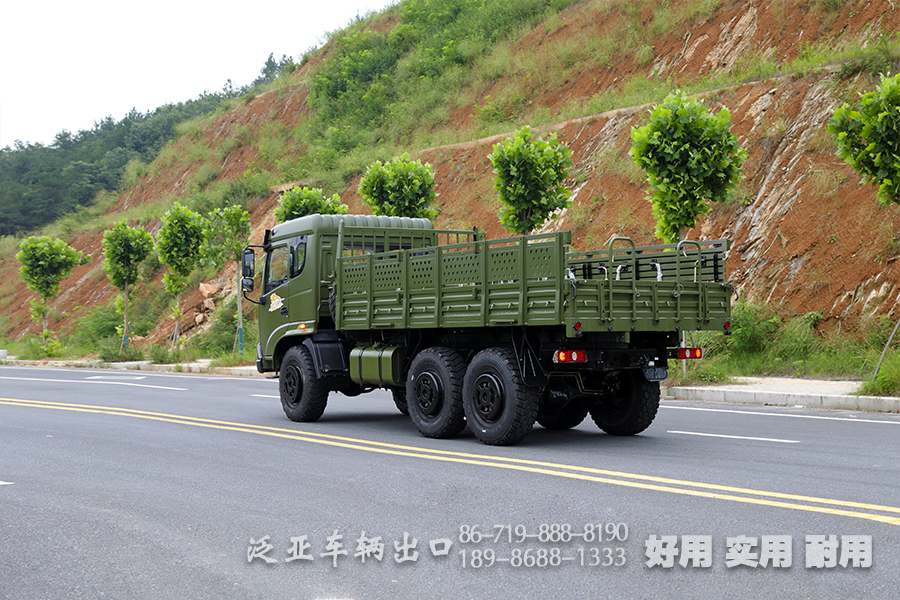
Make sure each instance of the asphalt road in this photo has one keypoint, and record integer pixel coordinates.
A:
(117, 484)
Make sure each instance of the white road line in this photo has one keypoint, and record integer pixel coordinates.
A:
(766, 414)
(263, 396)
(129, 377)
(143, 385)
(736, 437)
(6, 482)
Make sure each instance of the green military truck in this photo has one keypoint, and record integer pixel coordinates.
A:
(496, 334)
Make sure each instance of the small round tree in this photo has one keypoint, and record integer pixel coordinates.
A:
(178, 244)
(868, 137)
(301, 201)
(402, 187)
(691, 159)
(125, 249)
(45, 263)
(227, 232)
(531, 173)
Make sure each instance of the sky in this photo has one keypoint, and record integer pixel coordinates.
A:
(66, 65)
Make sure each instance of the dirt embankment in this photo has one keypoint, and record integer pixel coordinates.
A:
(806, 236)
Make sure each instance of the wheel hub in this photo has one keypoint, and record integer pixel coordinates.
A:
(488, 396)
(293, 383)
(429, 395)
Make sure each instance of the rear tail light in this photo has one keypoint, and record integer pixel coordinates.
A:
(570, 356)
(685, 353)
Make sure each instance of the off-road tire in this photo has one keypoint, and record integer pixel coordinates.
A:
(434, 392)
(500, 408)
(630, 407)
(332, 304)
(303, 397)
(399, 396)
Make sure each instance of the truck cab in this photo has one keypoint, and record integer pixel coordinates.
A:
(299, 275)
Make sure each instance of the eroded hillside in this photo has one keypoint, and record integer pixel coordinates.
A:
(806, 236)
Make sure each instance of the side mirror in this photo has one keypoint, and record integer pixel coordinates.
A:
(247, 284)
(248, 266)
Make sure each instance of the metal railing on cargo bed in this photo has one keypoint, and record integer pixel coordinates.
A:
(527, 280)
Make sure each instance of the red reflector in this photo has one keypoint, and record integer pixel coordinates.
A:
(727, 325)
(577, 325)
(570, 356)
(684, 353)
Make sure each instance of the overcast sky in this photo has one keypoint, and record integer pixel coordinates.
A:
(65, 64)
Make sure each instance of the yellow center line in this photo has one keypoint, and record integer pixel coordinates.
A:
(704, 490)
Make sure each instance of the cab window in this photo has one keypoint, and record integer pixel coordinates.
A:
(278, 267)
(299, 258)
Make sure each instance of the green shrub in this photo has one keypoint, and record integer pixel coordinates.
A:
(160, 355)
(797, 339)
(691, 159)
(531, 175)
(109, 351)
(752, 327)
(401, 187)
(302, 201)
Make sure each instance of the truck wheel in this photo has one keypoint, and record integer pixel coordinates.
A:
(567, 417)
(399, 395)
(332, 304)
(630, 407)
(500, 408)
(303, 396)
(434, 392)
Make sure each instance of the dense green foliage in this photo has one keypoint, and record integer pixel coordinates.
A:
(45, 262)
(868, 137)
(401, 187)
(691, 159)
(301, 201)
(179, 242)
(125, 249)
(531, 173)
(377, 86)
(226, 233)
(371, 70)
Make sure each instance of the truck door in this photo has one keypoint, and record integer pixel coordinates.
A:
(275, 315)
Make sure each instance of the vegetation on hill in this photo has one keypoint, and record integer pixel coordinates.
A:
(421, 74)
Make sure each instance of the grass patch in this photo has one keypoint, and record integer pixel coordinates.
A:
(763, 344)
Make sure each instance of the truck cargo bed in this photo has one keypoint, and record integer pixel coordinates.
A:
(534, 281)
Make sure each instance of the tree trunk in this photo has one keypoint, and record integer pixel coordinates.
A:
(126, 330)
(239, 334)
(177, 331)
(884, 352)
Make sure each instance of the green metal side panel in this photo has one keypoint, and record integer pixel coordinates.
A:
(532, 281)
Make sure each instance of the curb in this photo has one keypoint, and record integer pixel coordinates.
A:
(145, 365)
(768, 398)
(198, 367)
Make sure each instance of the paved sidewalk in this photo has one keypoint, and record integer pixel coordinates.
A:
(784, 391)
